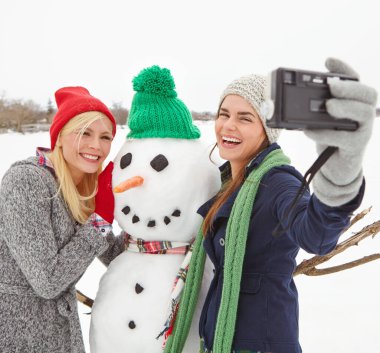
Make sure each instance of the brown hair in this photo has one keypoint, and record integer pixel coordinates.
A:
(228, 187)
(225, 192)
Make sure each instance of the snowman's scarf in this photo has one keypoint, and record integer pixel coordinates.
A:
(166, 247)
(156, 247)
(236, 238)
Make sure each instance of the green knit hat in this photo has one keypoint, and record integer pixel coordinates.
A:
(156, 111)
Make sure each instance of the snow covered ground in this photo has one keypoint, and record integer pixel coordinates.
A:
(339, 313)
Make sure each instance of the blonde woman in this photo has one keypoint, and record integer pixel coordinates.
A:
(53, 223)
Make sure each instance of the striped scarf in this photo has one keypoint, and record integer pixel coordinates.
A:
(235, 242)
(139, 245)
(156, 247)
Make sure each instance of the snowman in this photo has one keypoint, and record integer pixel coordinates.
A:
(162, 175)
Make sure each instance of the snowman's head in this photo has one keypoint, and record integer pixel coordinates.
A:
(166, 181)
(163, 169)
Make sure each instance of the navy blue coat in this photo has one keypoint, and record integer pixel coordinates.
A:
(267, 318)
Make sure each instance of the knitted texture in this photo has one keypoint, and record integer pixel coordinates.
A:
(43, 253)
(252, 88)
(176, 341)
(340, 178)
(72, 101)
(236, 238)
(156, 112)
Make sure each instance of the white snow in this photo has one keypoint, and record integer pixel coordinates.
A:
(338, 313)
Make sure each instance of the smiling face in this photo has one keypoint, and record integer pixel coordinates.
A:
(240, 134)
(86, 148)
(163, 182)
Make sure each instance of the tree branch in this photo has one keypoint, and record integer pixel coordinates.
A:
(84, 299)
(308, 267)
(326, 271)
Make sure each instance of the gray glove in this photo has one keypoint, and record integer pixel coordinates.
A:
(339, 179)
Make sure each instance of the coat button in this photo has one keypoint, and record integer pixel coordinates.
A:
(221, 241)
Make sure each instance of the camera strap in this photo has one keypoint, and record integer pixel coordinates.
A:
(309, 175)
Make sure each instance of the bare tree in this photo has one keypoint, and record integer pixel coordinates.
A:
(202, 115)
(24, 113)
(120, 113)
(3, 118)
(50, 111)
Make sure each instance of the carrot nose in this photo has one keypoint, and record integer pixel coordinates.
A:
(128, 184)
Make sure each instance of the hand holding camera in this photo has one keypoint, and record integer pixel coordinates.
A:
(335, 110)
(340, 178)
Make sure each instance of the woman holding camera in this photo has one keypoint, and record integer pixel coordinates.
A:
(50, 229)
(252, 303)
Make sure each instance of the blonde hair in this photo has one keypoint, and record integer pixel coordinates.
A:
(80, 198)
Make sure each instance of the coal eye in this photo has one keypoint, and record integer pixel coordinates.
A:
(126, 160)
(159, 162)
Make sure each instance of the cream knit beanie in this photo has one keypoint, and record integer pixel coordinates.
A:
(252, 88)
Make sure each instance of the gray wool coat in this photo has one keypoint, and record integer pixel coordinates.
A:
(43, 253)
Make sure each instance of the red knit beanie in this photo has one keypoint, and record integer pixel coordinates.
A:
(72, 101)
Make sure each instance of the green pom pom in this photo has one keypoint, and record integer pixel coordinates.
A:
(155, 80)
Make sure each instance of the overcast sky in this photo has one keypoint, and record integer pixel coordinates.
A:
(102, 45)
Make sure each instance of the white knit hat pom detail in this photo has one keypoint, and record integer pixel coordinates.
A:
(266, 109)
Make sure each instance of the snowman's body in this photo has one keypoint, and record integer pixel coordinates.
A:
(133, 299)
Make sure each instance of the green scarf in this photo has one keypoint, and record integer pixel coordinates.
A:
(235, 243)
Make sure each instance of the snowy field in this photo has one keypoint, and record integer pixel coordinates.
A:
(339, 313)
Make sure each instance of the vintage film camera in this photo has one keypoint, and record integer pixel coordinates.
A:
(299, 100)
